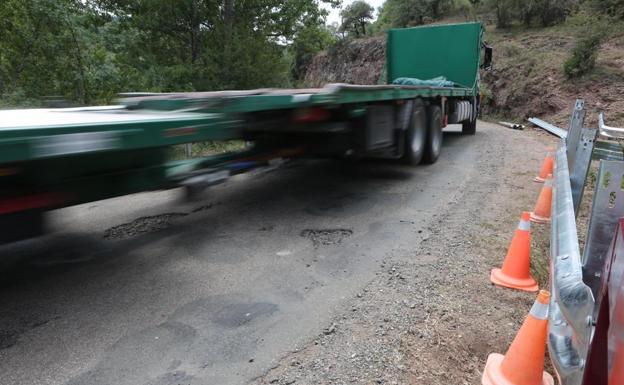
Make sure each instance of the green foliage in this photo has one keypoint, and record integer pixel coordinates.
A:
(88, 51)
(355, 17)
(465, 8)
(613, 8)
(409, 13)
(531, 12)
(308, 42)
(400, 13)
(546, 12)
(582, 60)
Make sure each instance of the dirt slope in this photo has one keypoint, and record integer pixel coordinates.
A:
(528, 79)
(356, 62)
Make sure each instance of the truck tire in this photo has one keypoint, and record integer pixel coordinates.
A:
(21, 225)
(433, 144)
(469, 127)
(416, 136)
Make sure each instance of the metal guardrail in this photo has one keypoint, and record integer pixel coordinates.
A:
(571, 300)
(560, 132)
(608, 150)
(577, 281)
(609, 132)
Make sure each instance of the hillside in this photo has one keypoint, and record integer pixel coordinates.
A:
(527, 79)
(359, 61)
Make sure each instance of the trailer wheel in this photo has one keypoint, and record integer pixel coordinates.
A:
(416, 136)
(21, 225)
(433, 145)
(469, 127)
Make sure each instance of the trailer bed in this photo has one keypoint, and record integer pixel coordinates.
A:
(273, 99)
(44, 133)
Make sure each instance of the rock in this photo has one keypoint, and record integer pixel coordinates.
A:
(330, 330)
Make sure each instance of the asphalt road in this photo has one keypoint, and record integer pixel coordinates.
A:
(148, 289)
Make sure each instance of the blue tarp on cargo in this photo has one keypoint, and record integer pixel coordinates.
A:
(440, 81)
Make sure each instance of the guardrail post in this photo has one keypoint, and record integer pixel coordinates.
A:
(607, 208)
(582, 160)
(574, 132)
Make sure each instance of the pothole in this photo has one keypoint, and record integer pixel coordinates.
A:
(326, 237)
(142, 225)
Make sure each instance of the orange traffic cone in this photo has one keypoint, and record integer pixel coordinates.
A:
(515, 270)
(547, 167)
(524, 362)
(541, 214)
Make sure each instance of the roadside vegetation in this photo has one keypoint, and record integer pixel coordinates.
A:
(546, 53)
(69, 52)
(85, 52)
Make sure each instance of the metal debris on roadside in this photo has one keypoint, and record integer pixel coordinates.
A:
(513, 126)
(560, 132)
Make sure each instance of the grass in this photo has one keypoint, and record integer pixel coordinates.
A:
(540, 263)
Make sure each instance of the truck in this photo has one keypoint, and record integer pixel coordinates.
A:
(54, 158)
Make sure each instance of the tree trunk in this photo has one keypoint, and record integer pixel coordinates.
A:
(435, 9)
(228, 24)
(228, 14)
(195, 35)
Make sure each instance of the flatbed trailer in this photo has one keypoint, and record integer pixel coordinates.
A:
(53, 158)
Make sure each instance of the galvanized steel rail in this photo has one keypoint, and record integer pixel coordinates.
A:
(571, 301)
(557, 131)
(576, 281)
(609, 132)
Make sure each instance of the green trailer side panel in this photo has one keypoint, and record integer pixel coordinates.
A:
(452, 51)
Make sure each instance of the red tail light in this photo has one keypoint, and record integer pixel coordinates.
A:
(308, 115)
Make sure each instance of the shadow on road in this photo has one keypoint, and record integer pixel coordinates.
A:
(330, 188)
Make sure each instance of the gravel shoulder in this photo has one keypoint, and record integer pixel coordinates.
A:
(431, 316)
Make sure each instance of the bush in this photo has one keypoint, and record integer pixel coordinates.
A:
(584, 55)
(534, 12)
(550, 12)
(613, 8)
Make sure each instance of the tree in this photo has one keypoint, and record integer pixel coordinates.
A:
(546, 12)
(613, 8)
(530, 12)
(583, 57)
(307, 43)
(407, 13)
(356, 16)
(89, 50)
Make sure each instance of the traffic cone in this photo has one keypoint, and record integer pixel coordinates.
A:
(515, 270)
(524, 362)
(541, 214)
(547, 167)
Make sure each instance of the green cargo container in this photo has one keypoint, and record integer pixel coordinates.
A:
(452, 51)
